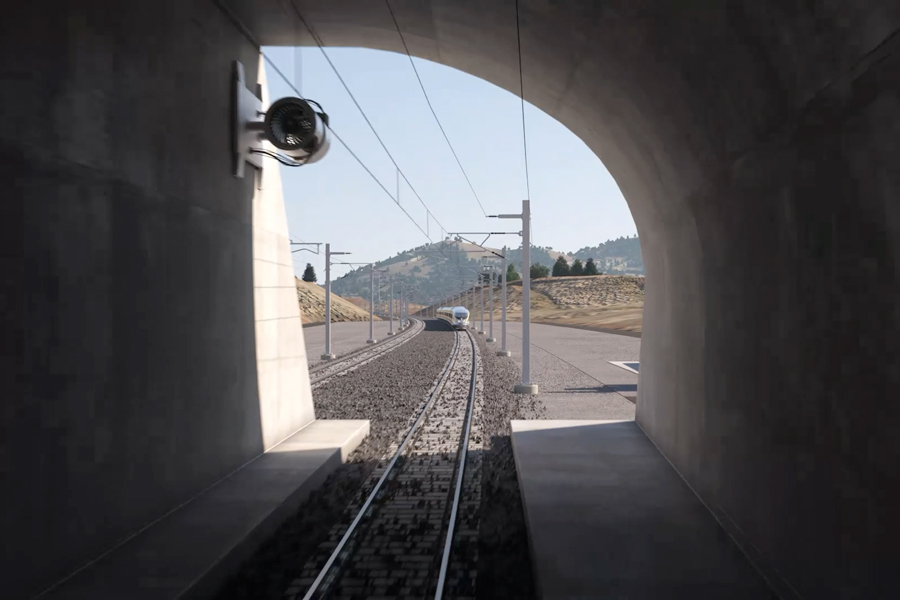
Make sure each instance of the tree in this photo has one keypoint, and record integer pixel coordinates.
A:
(561, 267)
(511, 273)
(538, 270)
(309, 274)
(577, 268)
(590, 268)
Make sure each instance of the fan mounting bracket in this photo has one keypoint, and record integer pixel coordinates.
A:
(247, 122)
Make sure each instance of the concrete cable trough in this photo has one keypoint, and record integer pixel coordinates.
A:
(398, 538)
(352, 361)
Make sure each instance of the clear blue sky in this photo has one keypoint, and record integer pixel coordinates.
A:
(575, 202)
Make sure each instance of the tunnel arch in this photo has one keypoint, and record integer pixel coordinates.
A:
(755, 143)
(736, 134)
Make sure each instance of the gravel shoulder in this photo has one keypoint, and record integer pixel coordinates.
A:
(504, 565)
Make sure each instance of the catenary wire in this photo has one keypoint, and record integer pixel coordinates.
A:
(428, 100)
(239, 25)
(278, 71)
(321, 47)
(522, 96)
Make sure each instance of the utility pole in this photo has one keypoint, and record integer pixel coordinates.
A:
(526, 387)
(481, 282)
(378, 291)
(391, 332)
(371, 339)
(328, 254)
(491, 313)
(503, 351)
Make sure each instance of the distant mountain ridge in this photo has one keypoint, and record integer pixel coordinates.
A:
(619, 256)
(435, 269)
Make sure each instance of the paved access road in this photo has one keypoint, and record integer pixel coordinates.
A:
(345, 337)
(571, 367)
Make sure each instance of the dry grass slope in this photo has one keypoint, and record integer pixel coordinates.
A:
(591, 291)
(311, 298)
(594, 302)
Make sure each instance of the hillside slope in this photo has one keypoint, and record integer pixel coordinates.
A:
(591, 291)
(311, 298)
(433, 268)
(615, 256)
(600, 302)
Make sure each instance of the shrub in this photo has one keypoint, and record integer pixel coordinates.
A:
(309, 274)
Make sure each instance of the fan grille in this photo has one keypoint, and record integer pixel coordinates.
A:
(291, 125)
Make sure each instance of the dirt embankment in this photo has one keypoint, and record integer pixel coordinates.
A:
(311, 298)
(591, 291)
(594, 302)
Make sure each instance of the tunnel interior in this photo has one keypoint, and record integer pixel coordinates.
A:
(756, 144)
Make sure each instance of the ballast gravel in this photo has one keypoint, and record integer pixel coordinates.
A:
(504, 565)
(387, 391)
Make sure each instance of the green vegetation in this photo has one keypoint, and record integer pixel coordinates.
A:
(561, 267)
(538, 270)
(309, 275)
(590, 267)
(577, 268)
(511, 273)
(538, 255)
(620, 256)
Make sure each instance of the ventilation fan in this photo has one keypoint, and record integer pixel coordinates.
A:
(291, 125)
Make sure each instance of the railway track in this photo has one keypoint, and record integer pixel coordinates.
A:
(353, 360)
(412, 530)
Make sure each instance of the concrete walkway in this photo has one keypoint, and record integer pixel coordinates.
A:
(608, 517)
(191, 551)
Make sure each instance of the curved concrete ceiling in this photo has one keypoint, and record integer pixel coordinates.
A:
(669, 97)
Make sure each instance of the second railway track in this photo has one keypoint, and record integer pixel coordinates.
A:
(353, 360)
(412, 531)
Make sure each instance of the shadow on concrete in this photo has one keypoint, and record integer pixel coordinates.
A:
(192, 550)
(606, 387)
(279, 559)
(608, 516)
(622, 387)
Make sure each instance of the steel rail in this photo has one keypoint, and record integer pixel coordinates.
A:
(387, 471)
(376, 350)
(463, 451)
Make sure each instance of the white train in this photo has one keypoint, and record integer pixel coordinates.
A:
(457, 316)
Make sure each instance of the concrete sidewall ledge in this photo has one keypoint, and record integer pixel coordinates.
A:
(191, 552)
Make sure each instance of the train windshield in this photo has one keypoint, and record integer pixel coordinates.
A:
(461, 314)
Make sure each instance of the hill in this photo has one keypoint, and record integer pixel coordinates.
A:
(435, 269)
(615, 256)
(438, 270)
(311, 298)
(583, 292)
(601, 302)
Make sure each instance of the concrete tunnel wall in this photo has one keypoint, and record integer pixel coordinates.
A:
(756, 144)
(156, 326)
